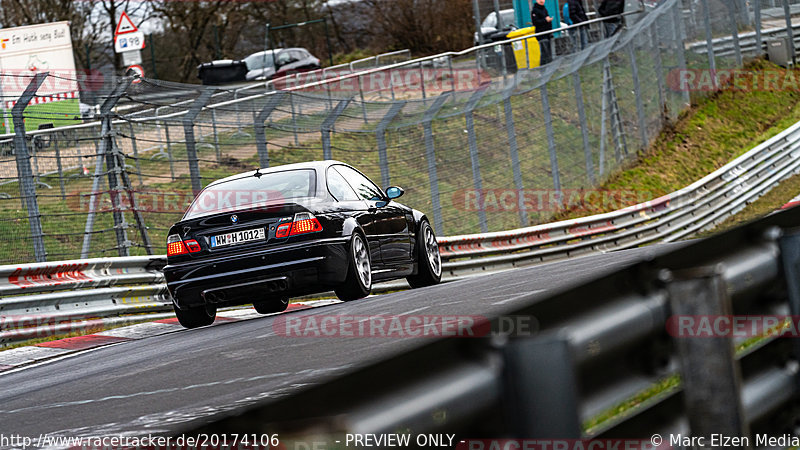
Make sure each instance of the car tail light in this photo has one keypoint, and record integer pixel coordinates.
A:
(305, 223)
(175, 246)
(283, 230)
(193, 246)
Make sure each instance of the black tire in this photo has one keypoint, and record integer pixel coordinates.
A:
(271, 306)
(429, 268)
(355, 285)
(196, 317)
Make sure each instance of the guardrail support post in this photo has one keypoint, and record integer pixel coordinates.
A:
(259, 129)
(587, 149)
(513, 150)
(787, 14)
(27, 186)
(380, 136)
(327, 126)
(542, 393)
(637, 91)
(551, 145)
(790, 258)
(430, 155)
(473, 155)
(710, 374)
(188, 132)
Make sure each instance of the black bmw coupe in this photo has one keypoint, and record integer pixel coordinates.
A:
(264, 236)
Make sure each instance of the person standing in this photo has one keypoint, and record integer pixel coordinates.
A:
(577, 15)
(543, 22)
(609, 8)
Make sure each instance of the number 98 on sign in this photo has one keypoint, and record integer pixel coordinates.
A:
(129, 41)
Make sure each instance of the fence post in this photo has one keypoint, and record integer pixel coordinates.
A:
(259, 127)
(294, 119)
(113, 168)
(216, 134)
(473, 156)
(380, 136)
(710, 374)
(88, 229)
(106, 152)
(119, 165)
(136, 154)
(327, 126)
(678, 32)
(27, 186)
(169, 150)
(551, 144)
(587, 149)
(637, 91)
(513, 149)
(734, 31)
(60, 167)
(787, 14)
(759, 40)
(662, 100)
(188, 132)
(430, 155)
(712, 62)
(361, 96)
(422, 80)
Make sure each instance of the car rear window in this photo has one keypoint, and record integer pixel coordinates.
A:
(247, 192)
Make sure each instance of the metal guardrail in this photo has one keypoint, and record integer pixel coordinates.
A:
(110, 287)
(597, 346)
(669, 218)
(44, 299)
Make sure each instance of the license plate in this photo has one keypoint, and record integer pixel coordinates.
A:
(238, 237)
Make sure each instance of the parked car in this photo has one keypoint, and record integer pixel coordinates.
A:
(264, 236)
(263, 65)
(489, 26)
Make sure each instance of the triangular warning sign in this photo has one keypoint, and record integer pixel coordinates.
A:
(125, 25)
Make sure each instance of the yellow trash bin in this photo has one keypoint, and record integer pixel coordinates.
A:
(533, 58)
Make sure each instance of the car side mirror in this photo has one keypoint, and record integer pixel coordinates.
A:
(394, 192)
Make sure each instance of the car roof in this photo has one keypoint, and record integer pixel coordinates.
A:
(316, 165)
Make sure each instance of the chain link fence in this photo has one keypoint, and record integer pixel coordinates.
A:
(481, 140)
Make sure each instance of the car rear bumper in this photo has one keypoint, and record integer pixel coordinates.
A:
(297, 269)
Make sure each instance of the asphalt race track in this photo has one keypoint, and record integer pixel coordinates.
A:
(162, 384)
